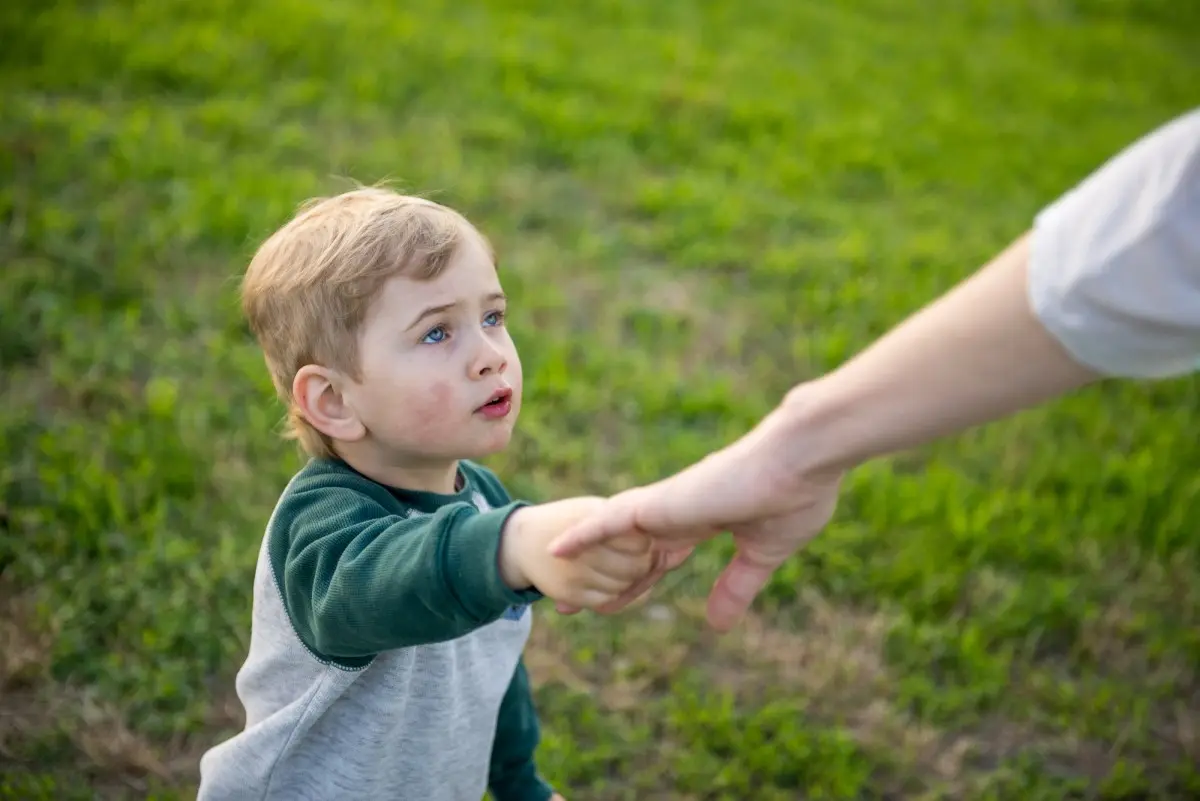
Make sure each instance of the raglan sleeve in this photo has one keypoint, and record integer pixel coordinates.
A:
(1114, 271)
(357, 579)
(514, 774)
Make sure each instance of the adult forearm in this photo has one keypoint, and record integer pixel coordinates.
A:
(975, 355)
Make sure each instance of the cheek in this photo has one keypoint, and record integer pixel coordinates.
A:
(440, 396)
(431, 409)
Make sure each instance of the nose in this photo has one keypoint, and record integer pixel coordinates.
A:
(488, 359)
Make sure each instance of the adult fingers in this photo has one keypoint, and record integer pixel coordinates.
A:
(691, 506)
(735, 590)
(614, 518)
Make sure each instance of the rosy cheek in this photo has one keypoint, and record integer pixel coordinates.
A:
(436, 405)
(439, 394)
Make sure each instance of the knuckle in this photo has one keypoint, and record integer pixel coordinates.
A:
(598, 598)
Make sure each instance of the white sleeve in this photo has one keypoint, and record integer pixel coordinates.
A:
(1114, 270)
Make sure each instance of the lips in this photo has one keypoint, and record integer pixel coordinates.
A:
(497, 406)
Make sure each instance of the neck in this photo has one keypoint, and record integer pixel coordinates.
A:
(424, 475)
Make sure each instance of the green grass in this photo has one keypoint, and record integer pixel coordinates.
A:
(697, 205)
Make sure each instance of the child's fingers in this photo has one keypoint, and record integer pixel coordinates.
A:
(608, 561)
(632, 592)
(624, 568)
(664, 562)
(593, 598)
(630, 543)
(612, 583)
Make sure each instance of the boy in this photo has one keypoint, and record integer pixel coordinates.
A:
(393, 584)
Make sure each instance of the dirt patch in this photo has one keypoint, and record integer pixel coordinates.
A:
(832, 655)
(830, 658)
(620, 679)
(35, 711)
(45, 724)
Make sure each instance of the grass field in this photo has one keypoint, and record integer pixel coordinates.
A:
(697, 205)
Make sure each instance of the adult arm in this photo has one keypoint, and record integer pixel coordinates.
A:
(978, 353)
(1107, 283)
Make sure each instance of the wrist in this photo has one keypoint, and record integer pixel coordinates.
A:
(815, 430)
(511, 554)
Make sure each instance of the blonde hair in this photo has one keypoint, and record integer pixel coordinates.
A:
(309, 286)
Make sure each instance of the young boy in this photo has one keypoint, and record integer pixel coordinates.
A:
(391, 597)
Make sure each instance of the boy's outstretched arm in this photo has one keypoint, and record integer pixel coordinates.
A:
(514, 775)
(358, 579)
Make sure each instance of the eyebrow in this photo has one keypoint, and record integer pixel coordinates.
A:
(435, 310)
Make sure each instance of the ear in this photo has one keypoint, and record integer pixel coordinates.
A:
(316, 392)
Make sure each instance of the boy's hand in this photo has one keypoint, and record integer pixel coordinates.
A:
(594, 578)
(663, 562)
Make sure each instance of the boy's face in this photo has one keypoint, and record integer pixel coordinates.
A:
(440, 376)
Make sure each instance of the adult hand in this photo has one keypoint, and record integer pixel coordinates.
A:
(976, 354)
(761, 548)
(753, 489)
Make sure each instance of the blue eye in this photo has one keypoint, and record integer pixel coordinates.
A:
(435, 336)
(493, 318)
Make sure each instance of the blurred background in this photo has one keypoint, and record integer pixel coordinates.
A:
(697, 205)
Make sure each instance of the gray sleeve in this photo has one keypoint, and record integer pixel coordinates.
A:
(1114, 271)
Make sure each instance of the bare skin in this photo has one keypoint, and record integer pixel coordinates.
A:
(975, 355)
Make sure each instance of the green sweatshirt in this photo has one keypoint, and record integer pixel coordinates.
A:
(385, 651)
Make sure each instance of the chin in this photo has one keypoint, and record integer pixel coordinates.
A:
(497, 442)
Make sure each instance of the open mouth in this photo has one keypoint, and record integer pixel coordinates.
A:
(499, 398)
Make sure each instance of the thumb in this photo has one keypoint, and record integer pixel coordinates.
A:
(612, 519)
(735, 591)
